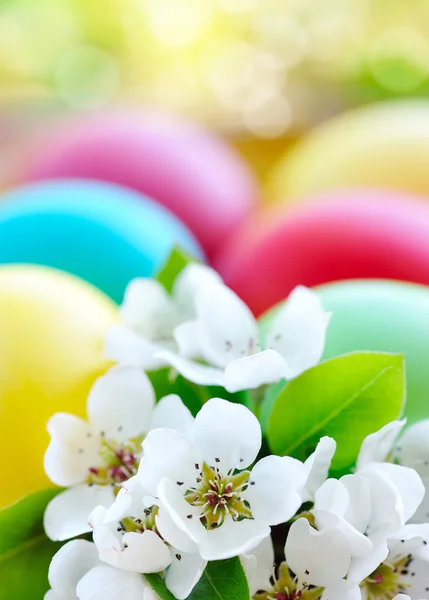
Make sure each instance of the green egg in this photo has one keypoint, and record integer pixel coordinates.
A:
(386, 316)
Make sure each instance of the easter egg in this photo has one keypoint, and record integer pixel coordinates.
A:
(383, 145)
(189, 170)
(347, 235)
(383, 316)
(104, 233)
(52, 327)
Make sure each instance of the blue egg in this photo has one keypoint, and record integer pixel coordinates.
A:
(100, 232)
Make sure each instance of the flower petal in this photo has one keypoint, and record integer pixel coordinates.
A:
(148, 310)
(232, 538)
(422, 513)
(72, 450)
(120, 403)
(190, 281)
(253, 371)
(377, 446)
(274, 489)
(171, 413)
(407, 482)
(299, 330)
(167, 453)
(413, 448)
(228, 434)
(317, 466)
(123, 345)
(191, 370)
(227, 328)
(317, 557)
(107, 583)
(332, 497)
(184, 573)
(172, 533)
(186, 336)
(358, 512)
(263, 571)
(362, 567)
(417, 579)
(67, 514)
(343, 590)
(359, 544)
(69, 565)
(140, 552)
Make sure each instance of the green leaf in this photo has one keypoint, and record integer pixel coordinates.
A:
(222, 580)
(25, 551)
(346, 398)
(175, 263)
(158, 585)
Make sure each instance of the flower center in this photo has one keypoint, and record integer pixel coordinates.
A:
(119, 462)
(287, 587)
(385, 582)
(140, 524)
(219, 496)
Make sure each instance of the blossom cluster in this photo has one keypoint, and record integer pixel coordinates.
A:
(154, 491)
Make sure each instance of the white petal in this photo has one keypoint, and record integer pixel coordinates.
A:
(148, 310)
(362, 567)
(359, 544)
(72, 450)
(67, 514)
(318, 558)
(358, 512)
(264, 556)
(70, 564)
(253, 371)
(191, 370)
(274, 489)
(343, 590)
(417, 580)
(377, 446)
(422, 513)
(123, 345)
(401, 597)
(317, 466)
(227, 433)
(183, 574)
(332, 497)
(190, 281)
(140, 552)
(249, 564)
(128, 502)
(299, 330)
(167, 453)
(408, 483)
(227, 328)
(412, 539)
(171, 413)
(107, 583)
(413, 448)
(232, 538)
(173, 534)
(387, 510)
(187, 340)
(120, 403)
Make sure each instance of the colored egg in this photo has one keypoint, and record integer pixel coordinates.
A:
(190, 171)
(383, 145)
(385, 316)
(347, 235)
(52, 327)
(104, 233)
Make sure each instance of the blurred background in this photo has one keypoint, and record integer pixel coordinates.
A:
(264, 69)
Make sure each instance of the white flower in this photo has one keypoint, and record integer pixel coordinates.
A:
(237, 356)
(93, 457)
(76, 573)
(127, 537)
(149, 316)
(208, 499)
(412, 450)
(259, 566)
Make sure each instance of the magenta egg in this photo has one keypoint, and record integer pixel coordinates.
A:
(345, 235)
(188, 169)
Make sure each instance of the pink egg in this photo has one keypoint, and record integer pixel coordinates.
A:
(191, 171)
(346, 235)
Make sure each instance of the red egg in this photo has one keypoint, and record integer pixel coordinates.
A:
(188, 169)
(346, 235)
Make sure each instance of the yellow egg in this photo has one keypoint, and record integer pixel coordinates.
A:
(51, 333)
(384, 145)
